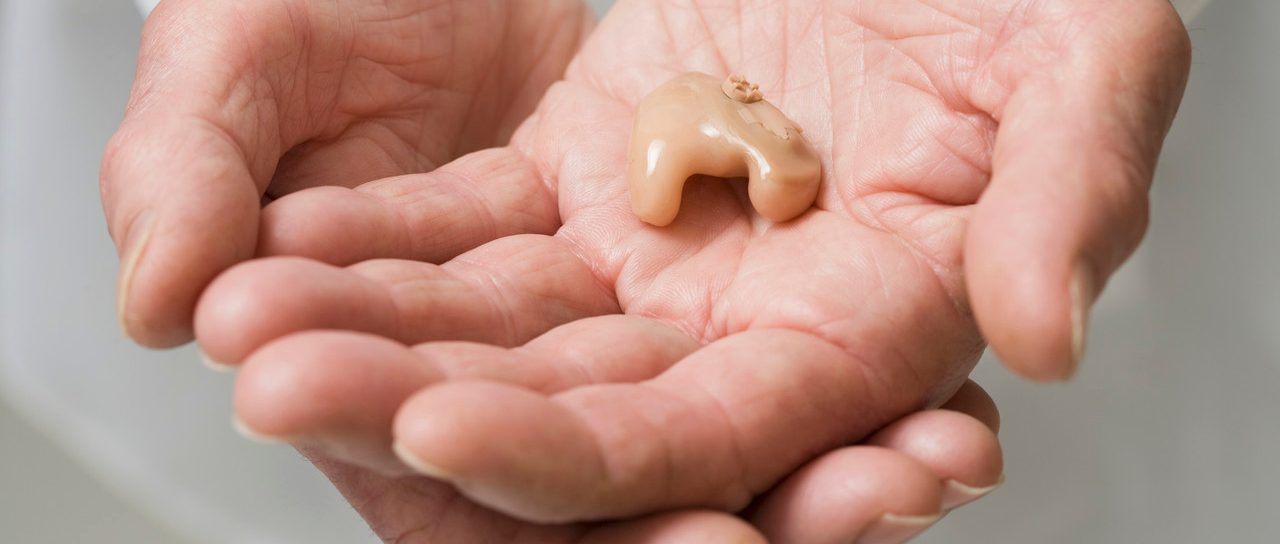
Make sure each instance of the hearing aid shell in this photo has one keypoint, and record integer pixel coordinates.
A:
(699, 124)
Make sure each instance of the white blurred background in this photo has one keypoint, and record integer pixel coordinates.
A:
(1168, 435)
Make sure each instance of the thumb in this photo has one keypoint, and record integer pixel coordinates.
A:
(1067, 203)
(181, 179)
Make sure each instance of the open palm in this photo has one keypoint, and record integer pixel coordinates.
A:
(985, 163)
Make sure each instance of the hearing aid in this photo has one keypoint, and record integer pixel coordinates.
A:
(698, 124)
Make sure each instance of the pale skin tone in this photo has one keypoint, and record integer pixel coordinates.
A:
(985, 168)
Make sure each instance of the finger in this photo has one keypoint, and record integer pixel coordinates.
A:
(181, 200)
(962, 452)
(333, 392)
(685, 527)
(716, 429)
(1067, 202)
(505, 292)
(424, 217)
(181, 179)
(855, 494)
(337, 392)
(382, 501)
(952, 443)
(595, 350)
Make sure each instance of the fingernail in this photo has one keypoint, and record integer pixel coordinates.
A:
(244, 430)
(213, 365)
(893, 528)
(1081, 291)
(409, 458)
(132, 250)
(956, 494)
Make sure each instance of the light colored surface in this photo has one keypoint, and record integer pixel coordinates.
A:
(1190, 9)
(1167, 436)
(48, 497)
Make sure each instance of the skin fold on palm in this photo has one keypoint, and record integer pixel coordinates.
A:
(975, 154)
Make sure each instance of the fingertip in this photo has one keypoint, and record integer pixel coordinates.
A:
(256, 302)
(502, 446)
(445, 426)
(1020, 295)
(276, 389)
(182, 207)
(163, 325)
(956, 448)
(410, 458)
(249, 433)
(229, 316)
(334, 392)
(326, 381)
(956, 493)
(156, 311)
(896, 529)
(133, 322)
(882, 493)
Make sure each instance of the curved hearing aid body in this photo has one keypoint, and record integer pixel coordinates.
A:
(697, 124)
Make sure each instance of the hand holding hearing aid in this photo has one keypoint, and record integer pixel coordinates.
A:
(515, 327)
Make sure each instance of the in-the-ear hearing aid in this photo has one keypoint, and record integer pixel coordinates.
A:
(698, 124)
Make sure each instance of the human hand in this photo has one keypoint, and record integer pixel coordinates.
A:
(985, 165)
(236, 100)
(887, 489)
(241, 99)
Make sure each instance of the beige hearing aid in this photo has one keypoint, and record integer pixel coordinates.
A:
(697, 124)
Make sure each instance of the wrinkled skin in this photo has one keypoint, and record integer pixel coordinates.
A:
(985, 168)
(234, 100)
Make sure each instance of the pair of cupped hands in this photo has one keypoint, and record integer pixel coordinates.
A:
(407, 222)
